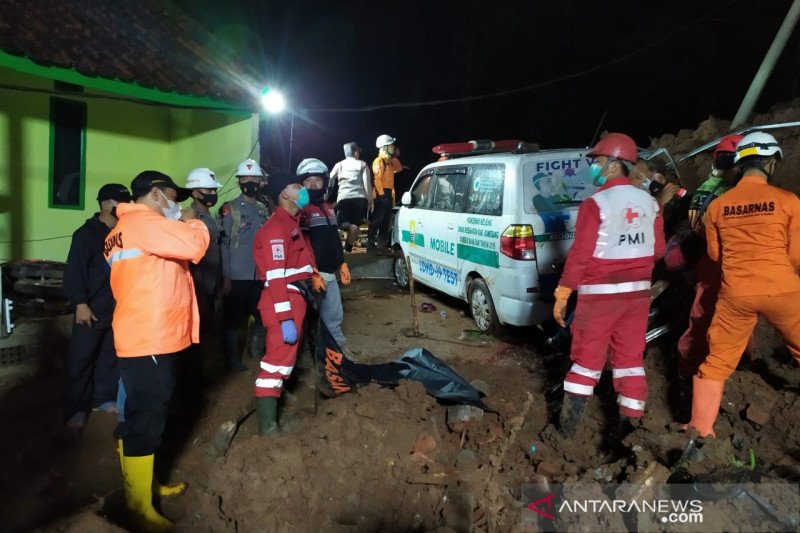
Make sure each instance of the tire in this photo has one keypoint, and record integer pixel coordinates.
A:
(400, 270)
(481, 307)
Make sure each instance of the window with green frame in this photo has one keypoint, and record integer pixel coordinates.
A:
(67, 153)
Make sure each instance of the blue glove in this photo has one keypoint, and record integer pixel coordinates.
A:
(289, 331)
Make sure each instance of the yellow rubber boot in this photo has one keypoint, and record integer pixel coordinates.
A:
(138, 474)
(706, 399)
(164, 491)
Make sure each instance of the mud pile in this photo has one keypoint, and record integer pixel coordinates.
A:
(695, 170)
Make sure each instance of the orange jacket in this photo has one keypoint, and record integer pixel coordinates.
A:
(755, 230)
(156, 310)
(383, 171)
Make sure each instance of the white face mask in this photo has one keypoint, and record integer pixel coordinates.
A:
(173, 210)
(646, 183)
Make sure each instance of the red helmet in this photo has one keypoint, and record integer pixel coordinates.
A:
(616, 145)
(727, 144)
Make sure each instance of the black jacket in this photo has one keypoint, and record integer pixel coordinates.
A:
(324, 235)
(87, 276)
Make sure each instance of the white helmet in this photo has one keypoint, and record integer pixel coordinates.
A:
(202, 178)
(759, 144)
(384, 140)
(312, 167)
(249, 167)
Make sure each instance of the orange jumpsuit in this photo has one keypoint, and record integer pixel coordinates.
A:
(754, 229)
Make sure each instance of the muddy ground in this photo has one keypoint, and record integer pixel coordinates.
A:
(383, 459)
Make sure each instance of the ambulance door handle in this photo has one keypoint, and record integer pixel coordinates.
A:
(451, 226)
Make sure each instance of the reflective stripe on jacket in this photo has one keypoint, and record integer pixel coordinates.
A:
(754, 229)
(282, 257)
(619, 235)
(156, 310)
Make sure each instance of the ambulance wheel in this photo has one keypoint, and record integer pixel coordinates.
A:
(482, 307)
(400, 270)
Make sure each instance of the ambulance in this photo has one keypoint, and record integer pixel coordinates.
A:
(491, 223)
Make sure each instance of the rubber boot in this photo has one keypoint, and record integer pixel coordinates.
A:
(230, 346)
(164, 491)
(683, 399)
(371, 233)
(625, 427)
(706, 399)
(267, 414)
(258, 341)
(138, 475)
(572, 409)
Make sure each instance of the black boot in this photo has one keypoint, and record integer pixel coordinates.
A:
(625, 427)
(258, 341)
(371, 234)
(683, 399)
(572, 409)
(230, 346)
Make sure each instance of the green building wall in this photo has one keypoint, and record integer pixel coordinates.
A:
(122, 139)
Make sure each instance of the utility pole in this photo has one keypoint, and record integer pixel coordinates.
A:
(764, 71)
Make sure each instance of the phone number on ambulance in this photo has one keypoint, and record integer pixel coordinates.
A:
(437, 271)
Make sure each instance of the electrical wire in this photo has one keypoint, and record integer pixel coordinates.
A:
(506, 92)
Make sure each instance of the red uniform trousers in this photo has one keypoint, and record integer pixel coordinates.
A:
(618, 323)
(278, 361)
(693, 344)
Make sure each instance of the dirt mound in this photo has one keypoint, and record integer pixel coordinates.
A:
(695, 170)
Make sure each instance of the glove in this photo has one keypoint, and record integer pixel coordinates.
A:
(289, 331)
(344, 273)
(317, 283)
(560, 308)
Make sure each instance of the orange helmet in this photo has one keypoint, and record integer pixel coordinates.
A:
(617, 145)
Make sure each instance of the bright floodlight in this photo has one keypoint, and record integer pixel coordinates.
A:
(272, 101)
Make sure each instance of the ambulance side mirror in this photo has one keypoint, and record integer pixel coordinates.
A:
(406, 199)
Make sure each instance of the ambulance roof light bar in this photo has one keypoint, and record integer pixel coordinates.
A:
(483, 147)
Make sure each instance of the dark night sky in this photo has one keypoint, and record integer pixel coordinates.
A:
(353, 54)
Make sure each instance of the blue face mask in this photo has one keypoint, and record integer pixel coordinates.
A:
(594, 172)
(302, 198)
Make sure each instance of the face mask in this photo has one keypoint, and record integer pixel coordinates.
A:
(114, 212)
(646, 182)
(249, 189)
(208, 199)
(594, 172)
(173, 211)
(302, 198)
(317, 196)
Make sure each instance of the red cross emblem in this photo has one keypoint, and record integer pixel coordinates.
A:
(549, 501)
(633, 216)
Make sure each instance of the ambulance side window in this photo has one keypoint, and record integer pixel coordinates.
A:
(450, 187)
(421, 193)
(485, 193)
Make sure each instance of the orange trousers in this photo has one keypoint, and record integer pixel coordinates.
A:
(735, 319)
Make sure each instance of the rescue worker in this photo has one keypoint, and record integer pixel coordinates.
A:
(240, 219)
(352, 180)
(285, 264)
(385, 166)
(754, 230)
(92, 371)
(156, 316)
(323, 236)
(693, 345)
(618, 237)
(207, 276)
